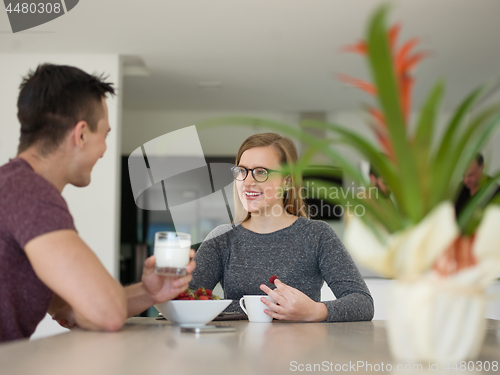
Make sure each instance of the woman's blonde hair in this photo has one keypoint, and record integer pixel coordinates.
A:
(287, 153)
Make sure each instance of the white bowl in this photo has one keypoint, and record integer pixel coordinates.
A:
(192, 312)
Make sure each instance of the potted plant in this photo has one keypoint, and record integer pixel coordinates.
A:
(442, 265)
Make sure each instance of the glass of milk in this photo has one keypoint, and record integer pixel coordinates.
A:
(172, 253)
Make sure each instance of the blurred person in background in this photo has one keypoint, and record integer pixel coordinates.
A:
(379, 183)
(474, 179)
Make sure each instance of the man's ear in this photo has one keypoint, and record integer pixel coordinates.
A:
(79, 134)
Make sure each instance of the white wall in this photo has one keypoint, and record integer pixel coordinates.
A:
(142, 126)
(95, 208)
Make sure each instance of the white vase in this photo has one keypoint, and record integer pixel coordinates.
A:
(436, 320)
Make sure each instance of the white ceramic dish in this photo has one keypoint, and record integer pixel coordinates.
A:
(189, 313)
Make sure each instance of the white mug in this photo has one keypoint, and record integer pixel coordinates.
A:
(255, 308)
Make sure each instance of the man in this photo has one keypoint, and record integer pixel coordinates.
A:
(44, 265)
(474, 179)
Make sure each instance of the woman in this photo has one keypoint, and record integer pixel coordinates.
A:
(275, 237)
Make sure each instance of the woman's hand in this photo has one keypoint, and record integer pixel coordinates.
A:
(165, 288)
(292, 304)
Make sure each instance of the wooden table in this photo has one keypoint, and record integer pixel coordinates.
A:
(149, 346)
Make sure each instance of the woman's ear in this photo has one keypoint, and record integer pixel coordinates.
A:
(287, 183)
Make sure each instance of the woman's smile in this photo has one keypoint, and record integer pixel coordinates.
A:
(252, 195)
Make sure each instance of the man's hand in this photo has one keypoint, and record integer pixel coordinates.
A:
(156, 288)
(62, 313)
(66, 318)
(164, 288)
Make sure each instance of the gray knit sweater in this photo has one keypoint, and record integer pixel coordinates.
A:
(301, 255)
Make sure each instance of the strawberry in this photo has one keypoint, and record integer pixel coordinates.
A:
(198, 294)
(272, 279)
(181, 295)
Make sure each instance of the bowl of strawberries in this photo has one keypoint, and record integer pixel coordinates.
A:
(193, 307)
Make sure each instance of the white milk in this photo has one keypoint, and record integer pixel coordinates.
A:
(172, 254)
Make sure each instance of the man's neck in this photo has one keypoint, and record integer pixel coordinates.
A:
(50, 167)
(475, 189)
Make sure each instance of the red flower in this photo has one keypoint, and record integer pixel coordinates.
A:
(404, 63)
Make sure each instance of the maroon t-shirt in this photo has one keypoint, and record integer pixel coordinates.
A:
(29, 207)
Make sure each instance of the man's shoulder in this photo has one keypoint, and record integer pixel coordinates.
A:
(497, 186)
(19, 183)
(490, 178)
(17, 170)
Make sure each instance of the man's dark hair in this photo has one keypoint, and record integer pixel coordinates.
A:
(53, 99)
(479, 159)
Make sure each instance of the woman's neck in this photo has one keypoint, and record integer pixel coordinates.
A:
(269, 223)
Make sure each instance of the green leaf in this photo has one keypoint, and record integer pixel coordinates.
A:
(378, 161)
(423, 139)
(443, 166)
(383, 72)
(427, 120)
(377, 208)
